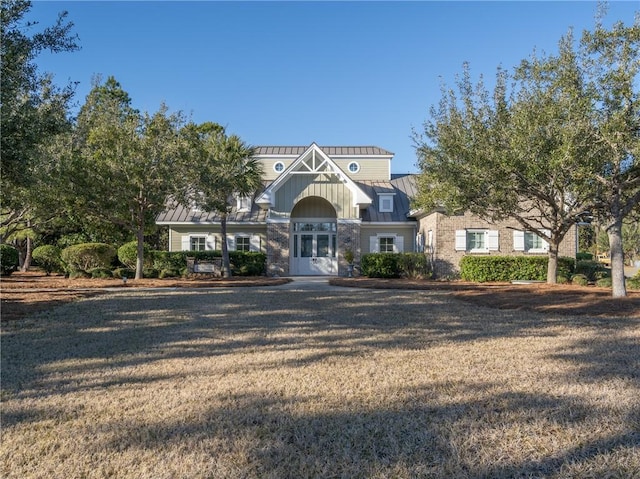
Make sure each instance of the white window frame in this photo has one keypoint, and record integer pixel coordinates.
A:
(242, 238)
(254, 241)
(398, 242)
(382, 198)
(491, 240)
(243, 203)
(279, 167)
(209, 241)
(520, 241)
(356, 166)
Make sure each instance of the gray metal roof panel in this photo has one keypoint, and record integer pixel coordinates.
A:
(329, 150)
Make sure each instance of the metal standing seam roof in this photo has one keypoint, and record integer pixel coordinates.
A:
(329, 150)
(403, 187)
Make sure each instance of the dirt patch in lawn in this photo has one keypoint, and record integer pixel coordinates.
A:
(539, 297)
(25, 293)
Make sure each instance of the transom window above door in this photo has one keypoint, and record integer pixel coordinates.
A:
(314, 227)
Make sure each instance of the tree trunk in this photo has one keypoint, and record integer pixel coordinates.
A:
(140, 255)
(552, 265)
(614, 232)
(28, 255)
(226, 262)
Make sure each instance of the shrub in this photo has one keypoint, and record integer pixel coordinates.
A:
(584, 256)
(380, 265)
(124, 273)
(245, 263)
(100, 273)
(604, 283)
(511, 268)
(414, 266)
(633, 283)
(150, 273)
(9, 259)
(48, 257)
(562, 279)
(580, 279)
(170, 260)
(79, 274)
(86, 256)
(169, 273)
(128, 255)
(591, 269)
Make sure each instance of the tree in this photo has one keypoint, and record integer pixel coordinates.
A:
(222, 167)
(125, 163)
(518, 154)
(535, 150)
(612, 63)
(33, 111)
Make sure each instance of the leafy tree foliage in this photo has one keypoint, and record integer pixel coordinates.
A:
(124, 163)
(33, 112)
(535, 149)
(221, 168)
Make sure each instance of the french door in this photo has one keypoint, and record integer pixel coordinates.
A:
(314, 249)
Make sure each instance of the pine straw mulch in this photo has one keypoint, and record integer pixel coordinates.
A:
(25, 293)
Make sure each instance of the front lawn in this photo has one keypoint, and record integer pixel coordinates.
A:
(268, 383)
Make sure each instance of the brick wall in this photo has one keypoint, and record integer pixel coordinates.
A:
(446, 259)
(278, 249)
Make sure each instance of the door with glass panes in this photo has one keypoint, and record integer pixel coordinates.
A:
(314, 249)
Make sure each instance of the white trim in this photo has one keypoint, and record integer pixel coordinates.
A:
(357, 170)
(284, 167)
(382, 197)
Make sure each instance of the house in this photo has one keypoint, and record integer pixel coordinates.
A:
(319, 202)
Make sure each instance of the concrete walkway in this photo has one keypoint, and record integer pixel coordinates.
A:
(308, 283)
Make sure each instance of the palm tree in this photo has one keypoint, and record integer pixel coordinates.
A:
(227, 167)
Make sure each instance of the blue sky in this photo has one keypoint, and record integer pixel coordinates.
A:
(291, 73)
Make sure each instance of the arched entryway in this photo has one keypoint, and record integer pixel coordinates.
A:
(313, 238)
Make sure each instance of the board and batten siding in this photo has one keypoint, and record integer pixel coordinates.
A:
(257, 233)
(304, 186)
(407, 233)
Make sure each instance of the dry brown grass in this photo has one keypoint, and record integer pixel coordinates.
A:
(268, 383)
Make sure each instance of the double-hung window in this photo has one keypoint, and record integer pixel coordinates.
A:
(243, 243)
(386, 244)
(477, 240)
(530, 242)
(198, 243)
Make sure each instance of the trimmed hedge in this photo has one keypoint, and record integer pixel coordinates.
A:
(482, 269)
(9, 259)
(395, 265)
(128, 255)
(87, 256)
(49, 258)
(243, 263)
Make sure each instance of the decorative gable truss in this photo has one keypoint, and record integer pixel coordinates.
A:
(314, 162)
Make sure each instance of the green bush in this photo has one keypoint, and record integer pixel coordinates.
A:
(580, 279)
(245, 263)
(380, 265)
(584, 256)
(48, 257)
(102, 273)
(591, 269)
(633, 283)
(86, 256)
(150, 273)
(128, 255)
(414, 266)
(510, 268)
(169, 273)
(79, 274)
(124, 273)
(604, 283)
(562, 279)
(9, 259)
(170, 260)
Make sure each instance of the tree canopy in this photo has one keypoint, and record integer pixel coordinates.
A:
(540, 147)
